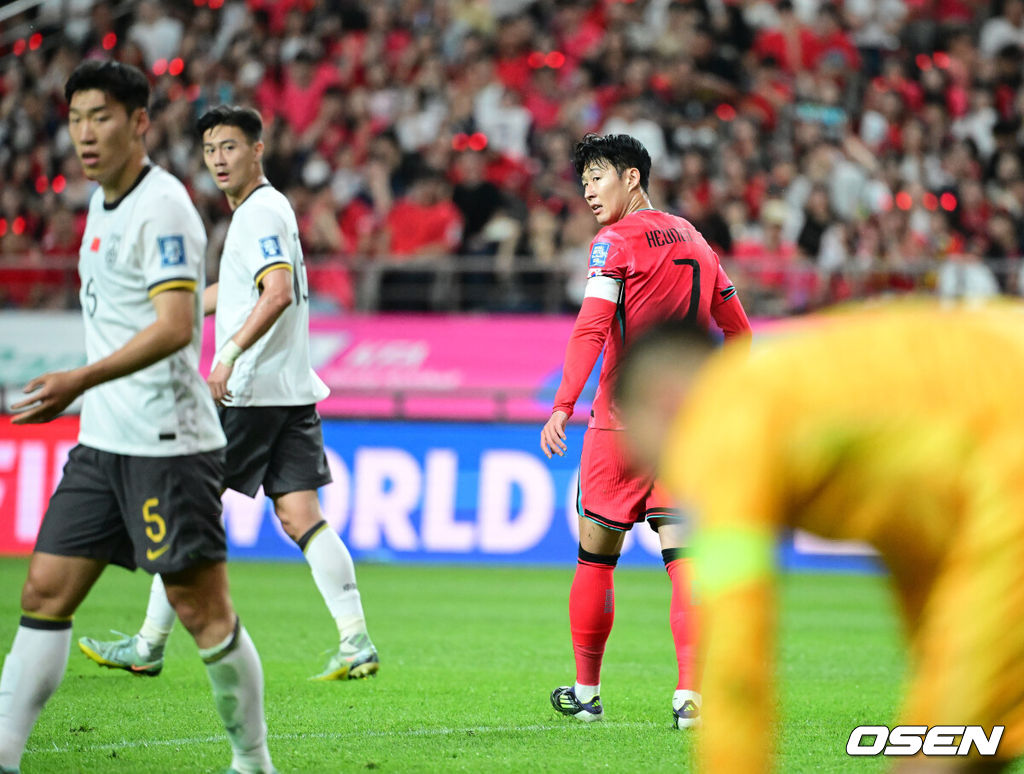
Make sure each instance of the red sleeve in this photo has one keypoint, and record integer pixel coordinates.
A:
(585, 344)
(608, 256)
(727, 310)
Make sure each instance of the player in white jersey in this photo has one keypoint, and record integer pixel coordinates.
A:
(141, 489)
(148, 242)
(267, 390)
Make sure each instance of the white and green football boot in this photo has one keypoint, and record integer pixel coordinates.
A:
(355, 658)
(686, 709)
(123, 654)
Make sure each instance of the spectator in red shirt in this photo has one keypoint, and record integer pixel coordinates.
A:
(580, 27)
(792, 45)
(62, 238)
(832, 46)
(303, 89)
(424, 222)
(513, 41)
(327, 133)
(544, 99)
(422, 225)
(894, 78)
(766, 256)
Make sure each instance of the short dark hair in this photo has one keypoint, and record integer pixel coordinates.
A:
(244, 118)
(620, 150)
(667, 341)
(124, 83)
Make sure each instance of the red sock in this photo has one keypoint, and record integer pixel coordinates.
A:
(591, 613)
(683, 618)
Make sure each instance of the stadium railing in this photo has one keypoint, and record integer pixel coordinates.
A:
(402, 403)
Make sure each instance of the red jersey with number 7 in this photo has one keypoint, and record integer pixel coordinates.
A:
(651, 266)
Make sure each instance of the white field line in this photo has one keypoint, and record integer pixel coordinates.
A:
(412, 732)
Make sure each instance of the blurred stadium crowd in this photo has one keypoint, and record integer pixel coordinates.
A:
(826, 150)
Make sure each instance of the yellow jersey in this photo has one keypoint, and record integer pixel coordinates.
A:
(901, 426)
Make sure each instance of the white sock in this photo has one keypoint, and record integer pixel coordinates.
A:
(586, 692)
(32, 671)
(159, 620)
(237, 680)
(335, 576)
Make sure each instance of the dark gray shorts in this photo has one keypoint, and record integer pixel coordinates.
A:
(278, 447)
(158, 513)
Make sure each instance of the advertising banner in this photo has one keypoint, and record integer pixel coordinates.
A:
(32, 458)
(445, 492)
(403, 491)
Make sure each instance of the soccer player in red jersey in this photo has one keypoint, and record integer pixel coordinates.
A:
(646, 266)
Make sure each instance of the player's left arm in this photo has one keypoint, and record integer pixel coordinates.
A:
(210, 299)
(172, 330)
(717, 459)
(727, 310)
(738, 711)
(608, 265)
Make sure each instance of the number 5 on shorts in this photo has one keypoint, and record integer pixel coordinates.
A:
(157, 529)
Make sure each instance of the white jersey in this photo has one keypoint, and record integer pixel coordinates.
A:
(275, 370)
(148, 241)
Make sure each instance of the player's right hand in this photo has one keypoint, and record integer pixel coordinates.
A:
(49, 395)
(552, 435)
(218, 383)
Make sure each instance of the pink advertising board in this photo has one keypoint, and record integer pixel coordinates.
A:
(439, 367)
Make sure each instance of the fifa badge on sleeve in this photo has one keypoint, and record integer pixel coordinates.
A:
(172, 250)
(271, 247)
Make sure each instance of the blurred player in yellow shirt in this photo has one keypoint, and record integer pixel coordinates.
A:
(899, 426)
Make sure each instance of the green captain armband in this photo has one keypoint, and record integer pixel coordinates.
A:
(726, 557)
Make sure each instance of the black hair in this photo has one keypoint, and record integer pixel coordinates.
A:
(244, 118)
(667, 341)
(619, 150)
(829, 9)
(124, 83)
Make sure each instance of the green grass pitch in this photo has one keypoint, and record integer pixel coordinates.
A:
(469, 656)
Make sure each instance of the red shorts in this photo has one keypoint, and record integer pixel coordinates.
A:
(611, 493)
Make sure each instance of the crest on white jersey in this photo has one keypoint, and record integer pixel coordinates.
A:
(110, 256)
